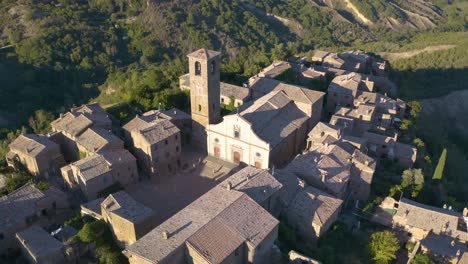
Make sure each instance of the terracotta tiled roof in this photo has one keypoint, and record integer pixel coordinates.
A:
(38, 242)
(235, 91)
(314, 205)
(258, 184)
(123, 205)
(429, 218)
(18, 205)
(204, 54)
(31, 144)
(96, 139)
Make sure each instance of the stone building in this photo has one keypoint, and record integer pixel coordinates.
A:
(74, 123)
(259, 185)
(204, 70)
(128, 219)
(269, 131)
(39, 247)
(275, 69)
(321, 134)
(312, 212)
(25, 206)
(181, 120)
(319, 56)
(355, 121)
(95, 173)
(229, 93)
(222, 226)
(420, 220)
(345, 88)
(156, 142)
(39, 155)
(339, 169)
(96, 140)
(234, 95)
(388, 147)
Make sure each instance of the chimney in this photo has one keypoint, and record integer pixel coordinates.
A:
(452, 243)
(366, 162)
(324, 176)
(247, 177)
(465, 211)
(445, 206)
(165, 235)
(61, 115)
(175, 112)
(229, 186)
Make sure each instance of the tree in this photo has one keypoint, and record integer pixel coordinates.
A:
(91, 231)
(412, 177)
(422, 259)
(415, 109)
(439, 171)
(383, 246)
(40, 122)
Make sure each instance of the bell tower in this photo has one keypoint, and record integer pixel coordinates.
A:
(204, 71)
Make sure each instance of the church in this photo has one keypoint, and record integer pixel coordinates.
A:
(264, 133)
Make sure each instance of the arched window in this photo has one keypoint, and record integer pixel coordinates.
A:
(212, 67)
(197, 68)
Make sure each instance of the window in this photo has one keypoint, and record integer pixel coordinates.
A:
(212, 67)
(238, 104)
(258, 154)
(213, 106)
(199, 108)
(2, 236)
(216, 140)
(176, 136)
(166, 142)
(236, 252)
(177, 148)
(222, 100)
(236, 132)
(197, 68)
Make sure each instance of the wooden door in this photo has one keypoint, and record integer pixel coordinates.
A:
(217, 152)
(258, 165)
(236, 157)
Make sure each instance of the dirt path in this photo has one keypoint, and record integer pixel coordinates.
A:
(408, 54)
(357, 13)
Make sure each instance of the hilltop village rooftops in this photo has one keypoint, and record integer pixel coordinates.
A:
(18, 205)
(318, 206)
(154, 126)
(72, 123)
(94, 112)
(234, 209)
(98, 164)
(258, 184)
(234, 91)
(80, 118)
(96, 139)
(274, 117)
(38, 242)
(22, 203)
(350, 84)
(438, 220)
(278, 114)
(123, 205)
(328, 166)
(31, 144)
(275, 69)
(399, 149)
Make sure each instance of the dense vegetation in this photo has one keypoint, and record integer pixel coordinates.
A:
(128, 56)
